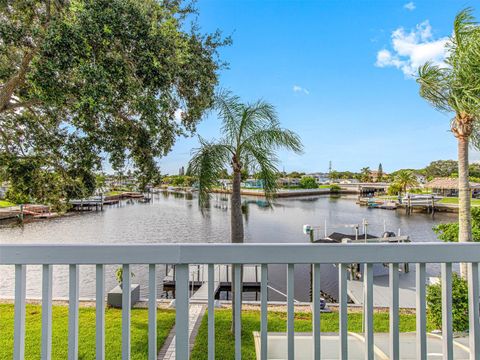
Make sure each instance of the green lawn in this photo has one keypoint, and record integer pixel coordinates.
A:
(454, 200)
(113, 333)
(224, 341)
(114, 193)
(5, 203)
(325, 186)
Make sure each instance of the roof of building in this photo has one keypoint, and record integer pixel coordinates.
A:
(448, 183)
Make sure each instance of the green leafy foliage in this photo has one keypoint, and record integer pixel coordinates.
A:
(394, 189)
(441, 168)
(449, 232)
(405, 179)
(82, 82)
(365, 174)
(459, 305)
(308, 182)
(335, 188)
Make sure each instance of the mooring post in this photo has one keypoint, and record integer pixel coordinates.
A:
(433, 206)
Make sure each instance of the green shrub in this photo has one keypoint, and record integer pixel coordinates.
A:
(308, 182)
(449, 232)
(394, 189)
(335, 188)
(459, 304)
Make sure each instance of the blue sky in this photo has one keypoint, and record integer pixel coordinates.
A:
(338, 74)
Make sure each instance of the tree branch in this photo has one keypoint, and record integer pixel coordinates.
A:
(8, 89)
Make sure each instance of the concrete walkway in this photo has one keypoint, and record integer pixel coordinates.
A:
(277, 346)
(167, 352)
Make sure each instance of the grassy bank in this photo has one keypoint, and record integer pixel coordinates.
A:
(277, 322)
(454, 200)
(114, 193)
(5, 204)
(113, 333)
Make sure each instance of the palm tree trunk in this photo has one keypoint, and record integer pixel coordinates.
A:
(236, 220)
(464, 194)
(236, 226)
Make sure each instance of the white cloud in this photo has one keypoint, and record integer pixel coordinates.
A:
(297, 88)
(412, 49)
(409, 6)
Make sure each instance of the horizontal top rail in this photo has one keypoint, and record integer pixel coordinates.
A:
(210, 253)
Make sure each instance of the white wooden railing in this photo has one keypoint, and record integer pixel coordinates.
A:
(184, 254)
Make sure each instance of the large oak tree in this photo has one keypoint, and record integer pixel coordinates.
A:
(84, 80)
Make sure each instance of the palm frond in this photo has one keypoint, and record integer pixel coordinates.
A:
(265, 164)
(434, 86)
(276, 137)
(229, 109)
(207, 162)
(256, 116)
(463, 25)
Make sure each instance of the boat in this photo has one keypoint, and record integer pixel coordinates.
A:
(421, 199)
(356, 270)
(373, 203)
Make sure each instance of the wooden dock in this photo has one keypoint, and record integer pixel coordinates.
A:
(222, 277)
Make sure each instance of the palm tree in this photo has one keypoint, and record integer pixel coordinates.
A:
(455, 88)
(251, 137)
(365, 174)
(405, 179)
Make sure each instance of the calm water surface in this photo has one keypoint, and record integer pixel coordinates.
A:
(175, 218)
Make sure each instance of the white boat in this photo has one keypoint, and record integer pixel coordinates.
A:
(421, 199)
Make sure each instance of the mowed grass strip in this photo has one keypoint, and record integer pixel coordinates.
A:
(454, 200)
(113, 332)
(277, 322)
(5, 204)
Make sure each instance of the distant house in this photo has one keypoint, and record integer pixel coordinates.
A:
(349, 181)
(449, 187)
(288, 181)
(3, 189)
(421, 179)
(253, 184)
(374, 174)
(320, 178)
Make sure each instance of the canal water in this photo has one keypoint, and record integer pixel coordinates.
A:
(176, 218)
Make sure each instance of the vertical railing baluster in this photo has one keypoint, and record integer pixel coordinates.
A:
(19, 316)
(47, 271)
(290, 312)
(264, 312)
(100, 312)
(368, 312)
(152, 312)
(394, 308)
(447, 330)
(343, 303)
(126, 308)
(473, 311)
(238, 307)
(73, 300)
(181, 308)
(211, 312)
(316, 311)
(421, 312)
